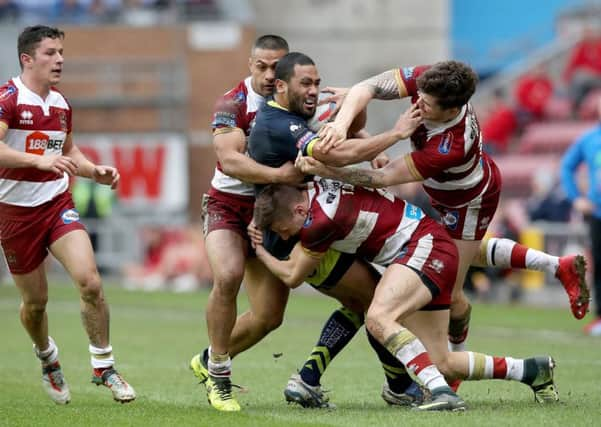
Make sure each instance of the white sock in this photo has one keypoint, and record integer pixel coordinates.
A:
(498, 254)
(219, 365)
(48, 356)
(515, 368)
(429, 375)
(101, 357)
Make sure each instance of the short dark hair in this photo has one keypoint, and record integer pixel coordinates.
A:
(452, 83)
(273, 204)
(30, 38)
(271, 42)
(285, 68)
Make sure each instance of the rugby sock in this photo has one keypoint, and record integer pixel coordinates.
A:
(458, 330)
(101, 358)
(219, 365)
(482, 366)
(48, 356)
(409, 350)
(505, 253)
(339, 329)
(396, 375)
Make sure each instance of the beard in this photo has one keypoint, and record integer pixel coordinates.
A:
(296, 105)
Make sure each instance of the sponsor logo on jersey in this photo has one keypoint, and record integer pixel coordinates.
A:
(450, 219)
(295, 127)
(240, 98)
(70, 215)
(26, 118)
(437, 265)
(445, 143)
(407, 72)
(7, 92)
(302, 142)
(308, 220)
(224, 119)
(412, 211)
(38, 142)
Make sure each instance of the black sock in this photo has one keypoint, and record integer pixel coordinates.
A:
(396, 375)
(340, 328)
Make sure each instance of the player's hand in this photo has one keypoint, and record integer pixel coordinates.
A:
(310, 166)
(106, 175)
(408, 121)
(584, 206)
(57, 164)
(289, 174)
(330, 136)
(337, 95)
(380, 161)
(255, 235)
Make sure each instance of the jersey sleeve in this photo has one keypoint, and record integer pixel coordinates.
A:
(7, 104)
(319, 234)
(227, 115)
(437, 156)
(407, 76)
(304, 137)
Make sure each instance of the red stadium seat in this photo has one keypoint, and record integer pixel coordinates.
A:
(551, 138)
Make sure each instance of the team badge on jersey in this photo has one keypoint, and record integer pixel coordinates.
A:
(70, 215)
(437, 265)
(450, 219)
(445, 143)
(7, 92)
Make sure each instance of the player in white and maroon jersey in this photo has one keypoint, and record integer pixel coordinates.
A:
(37, 215)
(227, 210)
(414, 293)
(463, 182)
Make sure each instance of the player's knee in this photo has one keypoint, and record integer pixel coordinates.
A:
(269, 321)
(35, 308)
(228, 280)
(373, 323)
(90, 286)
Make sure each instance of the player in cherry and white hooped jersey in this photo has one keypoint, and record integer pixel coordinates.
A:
(463, 182)
(37, 214)
(227, 211)
(413, 296)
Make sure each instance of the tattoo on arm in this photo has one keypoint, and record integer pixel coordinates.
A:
(383, 86)
(362, 177)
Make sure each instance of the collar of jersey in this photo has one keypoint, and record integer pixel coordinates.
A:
(273, 103)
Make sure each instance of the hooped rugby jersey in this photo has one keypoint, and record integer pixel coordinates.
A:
(37, 126)
(448, 155)
(237, 108)
(373, 224)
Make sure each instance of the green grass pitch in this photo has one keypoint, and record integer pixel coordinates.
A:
(154, 336)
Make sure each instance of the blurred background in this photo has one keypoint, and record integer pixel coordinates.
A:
(143, 76)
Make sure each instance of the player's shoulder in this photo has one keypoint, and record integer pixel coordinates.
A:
(238, 94)
(58, 99)
(8, 91)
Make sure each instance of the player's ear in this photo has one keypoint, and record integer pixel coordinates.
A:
(281, 86)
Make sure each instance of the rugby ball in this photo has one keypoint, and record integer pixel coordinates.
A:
(323, 113)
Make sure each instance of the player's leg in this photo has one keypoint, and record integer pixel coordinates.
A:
(72, 247)
(594, 327)
(33, 287)
(460, 306)
(570, 270)
(536, 372)
(399, 294)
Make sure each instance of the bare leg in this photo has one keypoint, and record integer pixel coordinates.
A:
(74, 251)
(33, 287)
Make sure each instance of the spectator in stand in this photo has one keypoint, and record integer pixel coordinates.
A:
(587, 150)
(499, 125)
(583, 69)
(532, 93)
(547, 202)
(8, 10)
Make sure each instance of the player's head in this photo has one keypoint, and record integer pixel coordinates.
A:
(264, 55)
(444, 89)
(40, 51)
(282, 209)
(297, 84)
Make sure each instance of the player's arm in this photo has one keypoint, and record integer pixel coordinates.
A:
(102, 174)
(293, 270)
(357, 150)
(230, 147)
(398, 171)
(10, 158)
(385, 86)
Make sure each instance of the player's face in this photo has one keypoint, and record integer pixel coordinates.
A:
(430, 110)
(46, 64)
(262, 70)
(303, 90)
(290, 226)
